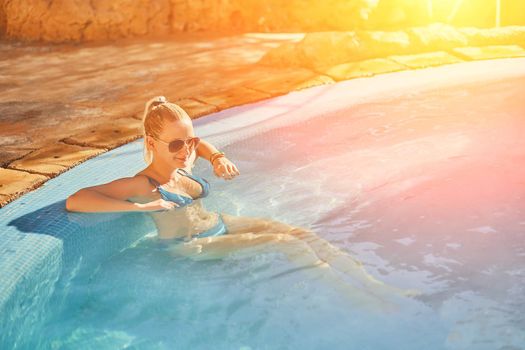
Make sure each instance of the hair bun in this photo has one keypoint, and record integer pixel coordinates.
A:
(157, 101)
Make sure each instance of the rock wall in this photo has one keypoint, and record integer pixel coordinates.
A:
(84, 20)
(91, 20)
(95, 20)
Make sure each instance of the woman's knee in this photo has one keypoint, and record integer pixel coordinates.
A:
(238, 225)
(301, 233)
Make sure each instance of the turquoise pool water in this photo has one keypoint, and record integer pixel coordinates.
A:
(424, 185)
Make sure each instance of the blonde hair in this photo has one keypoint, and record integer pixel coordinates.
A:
(157, 111)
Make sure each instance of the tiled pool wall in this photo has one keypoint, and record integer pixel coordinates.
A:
(43, 247)
(30, 265)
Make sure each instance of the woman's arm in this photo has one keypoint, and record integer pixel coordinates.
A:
(222, 166)
(206, 149)
(112, 197)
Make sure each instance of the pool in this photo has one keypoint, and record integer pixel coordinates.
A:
(420, 175)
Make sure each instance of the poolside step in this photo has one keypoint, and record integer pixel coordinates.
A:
(425, 60)
(55, 158)
(490, 52)
(361, 69)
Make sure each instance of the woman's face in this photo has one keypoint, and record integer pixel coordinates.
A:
(179, 129)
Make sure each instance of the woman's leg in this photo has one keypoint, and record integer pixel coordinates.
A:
(217, 247)
(346, 264)
(324, 250)
(296, 250)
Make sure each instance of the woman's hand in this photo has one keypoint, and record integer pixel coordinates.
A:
(224, 168)
(157, 205)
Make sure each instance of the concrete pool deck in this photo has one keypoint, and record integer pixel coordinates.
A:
(64, 104)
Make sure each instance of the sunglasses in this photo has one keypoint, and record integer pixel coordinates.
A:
(177, 144)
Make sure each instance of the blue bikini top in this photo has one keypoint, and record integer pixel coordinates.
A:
(179, 199)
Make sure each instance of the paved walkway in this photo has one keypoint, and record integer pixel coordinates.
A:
(62, 105)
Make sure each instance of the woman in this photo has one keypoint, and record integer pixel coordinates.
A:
(167, 189)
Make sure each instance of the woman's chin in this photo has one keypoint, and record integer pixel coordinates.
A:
(180, 163)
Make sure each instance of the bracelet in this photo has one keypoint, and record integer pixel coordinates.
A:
(216, 156)
(212, 160)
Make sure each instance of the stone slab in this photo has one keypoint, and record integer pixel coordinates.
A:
(279, 81)
(366, 68)
(232, 97)
(54, 159)
(490, 52)
(109, 135)
(4, 199)
(434, 37)
(508, 35)
(8, 154)
(196, 109)
(315, 81)
(426, 59)
(15, 182)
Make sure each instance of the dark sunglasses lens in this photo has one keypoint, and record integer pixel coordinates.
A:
(176, 145)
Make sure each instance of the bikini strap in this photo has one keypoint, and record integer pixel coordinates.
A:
(184, 172)
(152, 181)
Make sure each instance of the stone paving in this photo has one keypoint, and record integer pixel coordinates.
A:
(62, 105)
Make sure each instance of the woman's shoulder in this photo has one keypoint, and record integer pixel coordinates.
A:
(140, 185)
(145, 177)
(122, 188)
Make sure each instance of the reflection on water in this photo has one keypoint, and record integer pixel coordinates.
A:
(428, 191)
